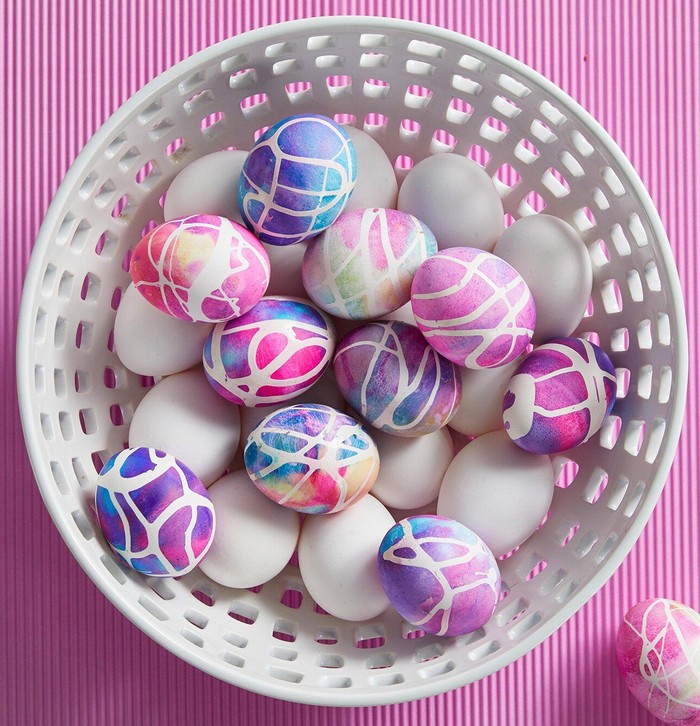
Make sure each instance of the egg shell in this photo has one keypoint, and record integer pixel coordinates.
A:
(184, 416)
(412, 469)
(311, 458)
(456, 198)
(202, 268)
(481, 407)
(362, 266)
(254, 538)
(271, 354)
(404, 314)
(499, 491)
(559, 396)
(389, 374)
(439, 575)
(376, 184)
(154, 512)
(338, 560)
(553, 260)
(399, 514)
(285, 270)
(297, 179)
(324, 391)
(208, 185)
(473, 307)
(153, 343)
(658, 645)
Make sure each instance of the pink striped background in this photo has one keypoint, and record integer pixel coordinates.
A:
(66, 655)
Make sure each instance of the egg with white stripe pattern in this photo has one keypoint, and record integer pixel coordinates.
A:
(439, 575)
(559, 396)
(362, 266)
(297, 179)
(311, 458)
(473, 307)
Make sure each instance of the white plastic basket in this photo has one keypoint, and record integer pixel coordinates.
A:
(76, 398)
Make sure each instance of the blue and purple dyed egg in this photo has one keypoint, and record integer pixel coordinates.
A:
(439, 575)
(276, 351)
(297, 179)
(154, 512)
(390, 375)
(559, 396)
(311, 458)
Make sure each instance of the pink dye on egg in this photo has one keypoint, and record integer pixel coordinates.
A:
(473, 307)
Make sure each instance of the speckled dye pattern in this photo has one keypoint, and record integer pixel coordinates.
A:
(154, 512)
(311, 458)
(439, 575)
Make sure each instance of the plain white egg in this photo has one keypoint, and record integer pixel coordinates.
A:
(499, 491)
(184, 416)
(153, 343)
(554, 262)
(254, 539)
(338, 559)
(376, 184)
(285, 270)
(411, 468)
(399, 514)
(324, 391)
(481, 407)
(456, 198)
(208, 185)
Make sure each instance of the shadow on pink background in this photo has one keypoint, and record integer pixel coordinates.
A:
(67, 656)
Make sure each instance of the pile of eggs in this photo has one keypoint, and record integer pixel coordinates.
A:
(270, 433)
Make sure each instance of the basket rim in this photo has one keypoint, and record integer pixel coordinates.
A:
(313, 695)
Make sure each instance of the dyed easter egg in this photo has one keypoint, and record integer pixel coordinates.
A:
(362, 266)
(658, 652)
(202, 268)
(274, 352)
(439, 575)
(311, 458)
(297, 179)
(154, 512)
(559, 396)
(473, 307)
(389, 374)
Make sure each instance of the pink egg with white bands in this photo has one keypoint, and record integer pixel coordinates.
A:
(473, 307)
(202, 268)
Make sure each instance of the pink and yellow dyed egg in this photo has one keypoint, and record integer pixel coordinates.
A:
(473, 307)
(275, 351)
(362, 266)
(559, 396)
(311, 458)
(202, 268)
(658, 653)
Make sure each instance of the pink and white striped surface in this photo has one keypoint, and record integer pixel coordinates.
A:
(67, 655)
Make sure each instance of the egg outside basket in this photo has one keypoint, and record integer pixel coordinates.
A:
(418, 90)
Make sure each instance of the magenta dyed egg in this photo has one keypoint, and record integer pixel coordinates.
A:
(439, 575)
(202, 268)
(389, 374)
(473, 307)
(275, 351)
(658, 652)
(154, 512)
(559, 396)
(362, 266)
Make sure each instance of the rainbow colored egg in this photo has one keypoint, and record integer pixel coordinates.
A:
(202, 268)
(559, 396)
(154, 512)
(473, 307)
(362, 266)
(311, 458)
(297, 179)
(390, 375)
(275, 351)
(439, 575)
